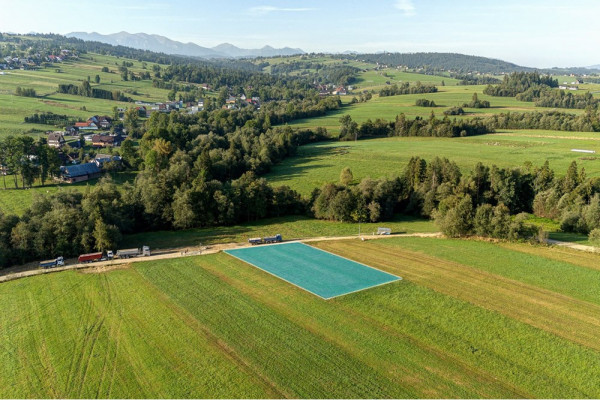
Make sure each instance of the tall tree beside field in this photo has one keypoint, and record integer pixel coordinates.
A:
(130, 121)
(105, 236)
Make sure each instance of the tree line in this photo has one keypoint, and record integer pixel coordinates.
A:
(405, 88)
(519, 82)
(545, 97)
(50, 118)
(85, 89)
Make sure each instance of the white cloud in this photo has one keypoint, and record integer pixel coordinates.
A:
(262, 10)
(406, 6)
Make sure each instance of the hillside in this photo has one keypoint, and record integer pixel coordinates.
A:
(161, 44)
(444, 61)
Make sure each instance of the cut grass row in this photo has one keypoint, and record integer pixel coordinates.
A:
(550, 310)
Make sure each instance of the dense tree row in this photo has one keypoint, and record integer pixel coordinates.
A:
(49, 118)
(430, 127)
(519, 82)
(467, 79)
(86, 90)
(551, 120)
(563, 99)
(25, 92)
(405, 88)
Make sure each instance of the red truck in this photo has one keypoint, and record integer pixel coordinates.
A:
(90, 257)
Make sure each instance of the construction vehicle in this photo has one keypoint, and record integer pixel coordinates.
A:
(90, 257)
(266, 240)
(127, 253)
(52, 263)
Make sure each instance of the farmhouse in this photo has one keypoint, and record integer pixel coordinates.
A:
(56, 140)
(106, 140)
(340, 91)
(101, 159)
(86, 126)
(80, 173)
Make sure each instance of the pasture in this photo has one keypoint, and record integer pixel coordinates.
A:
(318, 163)
(389, 107)
(45, 81)
(457, 325)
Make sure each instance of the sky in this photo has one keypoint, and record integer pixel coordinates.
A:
(535, 33)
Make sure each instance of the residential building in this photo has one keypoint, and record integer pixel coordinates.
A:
(56, 140)
(80, 173)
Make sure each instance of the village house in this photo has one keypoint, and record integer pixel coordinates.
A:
(86, 126)
(106, 140)
(101, 159)
(340, 91)
(79, 173)
(56, 140)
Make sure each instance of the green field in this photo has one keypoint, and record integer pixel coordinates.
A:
(290, 227)
(449, 96)
(46, 80)
(318, 163)
(212, 326)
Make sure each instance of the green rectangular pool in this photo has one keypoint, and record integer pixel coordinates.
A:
(319, 272)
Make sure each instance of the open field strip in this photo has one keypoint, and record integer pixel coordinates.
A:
(571, 318)
(318, 163)
(558, 253)
(291, 228)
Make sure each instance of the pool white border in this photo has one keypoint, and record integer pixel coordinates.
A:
(325, 251)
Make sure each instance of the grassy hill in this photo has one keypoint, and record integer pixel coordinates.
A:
(45, 81)
(458, 325)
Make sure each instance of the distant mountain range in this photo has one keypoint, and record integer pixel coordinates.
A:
(161, 44)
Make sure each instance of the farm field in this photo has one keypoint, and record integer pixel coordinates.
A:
(389, 107)
(214, 326)
(46, 80)
(290, 227)
(318, 163)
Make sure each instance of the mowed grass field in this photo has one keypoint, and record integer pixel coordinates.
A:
(318, 163)
(461, 323)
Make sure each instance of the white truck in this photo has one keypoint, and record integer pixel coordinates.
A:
(127, 253)
(384, 231)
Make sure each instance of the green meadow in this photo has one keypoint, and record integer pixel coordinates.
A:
(215, 327)
(45, 81)
(318, 163)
